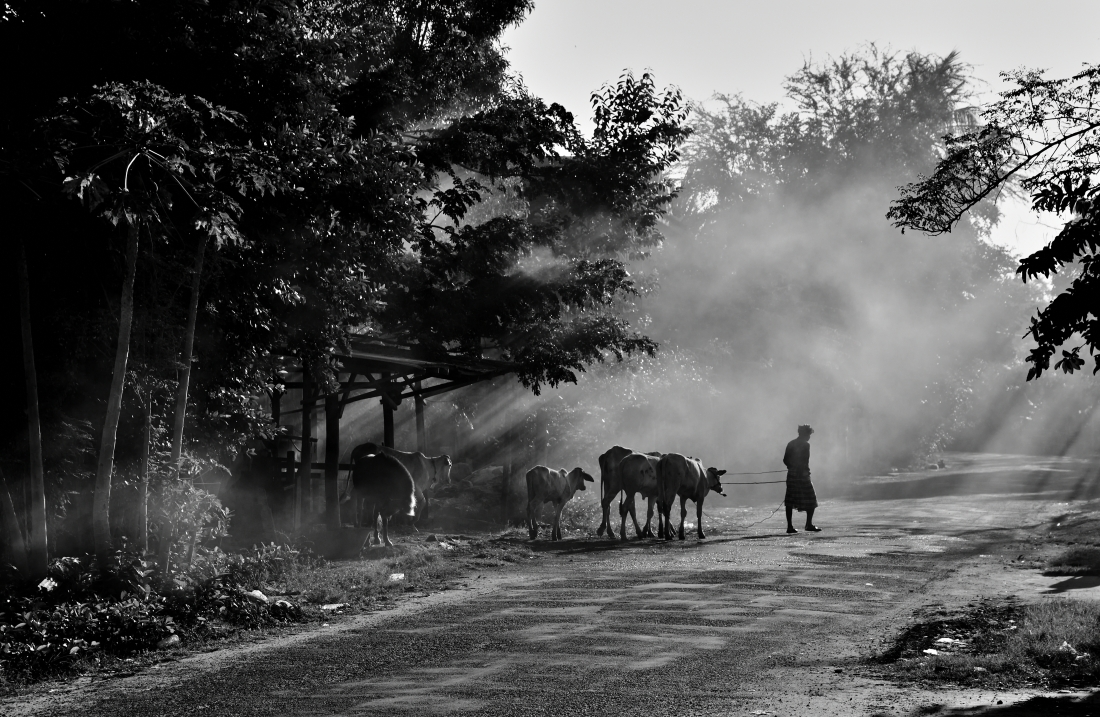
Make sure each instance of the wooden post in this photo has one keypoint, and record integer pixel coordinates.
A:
(388, 407)
(289, 472)
(509, 466)
(276, 406)
(301, 487)
(332, 461)
(421, 434)
(387, 425)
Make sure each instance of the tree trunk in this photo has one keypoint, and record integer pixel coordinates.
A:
(101, 521)
(185, 359)
(302, 482)
(143, 484)
(13, 535)
(167, 535)
(36, 514)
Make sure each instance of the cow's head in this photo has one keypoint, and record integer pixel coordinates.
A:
(713, 482)
(441, 469)
(577, 477)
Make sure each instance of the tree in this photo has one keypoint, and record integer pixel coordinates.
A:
(483, 285)
(1041, 138)
(783, 276)
(288, 165)
(36, 516)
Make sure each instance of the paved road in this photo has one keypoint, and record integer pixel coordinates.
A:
(750, 621)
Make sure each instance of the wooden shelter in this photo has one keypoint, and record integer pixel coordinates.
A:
(371, 369)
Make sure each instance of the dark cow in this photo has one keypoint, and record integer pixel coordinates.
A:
(546, 485)
(385, 488)
(685, 477)
(426, 471)
(610, 485)
(638, 474)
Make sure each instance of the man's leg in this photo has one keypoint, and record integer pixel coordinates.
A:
(790, 525)
(810, 521)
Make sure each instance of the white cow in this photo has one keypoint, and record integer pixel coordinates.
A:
(638, 474)
(546, 485)
(681, 476)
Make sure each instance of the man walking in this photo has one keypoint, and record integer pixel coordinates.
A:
(800, 490)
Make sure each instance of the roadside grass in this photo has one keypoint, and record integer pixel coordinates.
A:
(385, 573)
(1053, 643)
(583, 513)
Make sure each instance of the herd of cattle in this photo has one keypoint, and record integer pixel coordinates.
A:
(385, 482)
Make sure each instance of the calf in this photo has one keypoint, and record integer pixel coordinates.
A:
(382, 485)
(638, 474)
(546, 485)
(685, 477)
(610, 484)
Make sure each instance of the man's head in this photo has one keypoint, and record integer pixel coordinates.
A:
(804, 431)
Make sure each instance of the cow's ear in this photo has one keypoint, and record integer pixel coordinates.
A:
(722, 472)
(588, 478)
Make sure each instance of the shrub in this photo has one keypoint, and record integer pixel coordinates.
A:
(80, 611)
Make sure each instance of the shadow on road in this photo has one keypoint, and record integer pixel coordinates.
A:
(1068, 705)
(1079, 582)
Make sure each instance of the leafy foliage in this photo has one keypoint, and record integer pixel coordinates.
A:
(81, 613)
(1042, 138)
(359, 168)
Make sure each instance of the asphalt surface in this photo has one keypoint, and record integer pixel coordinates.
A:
(750, 621)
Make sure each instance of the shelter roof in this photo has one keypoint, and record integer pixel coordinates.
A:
(394, 371)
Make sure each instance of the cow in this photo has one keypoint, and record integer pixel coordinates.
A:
(546, 485)
(385, 487)
(638, 474)
(610, 484)
(681, 476)
(426, 472)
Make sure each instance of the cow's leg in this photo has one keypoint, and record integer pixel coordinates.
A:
(647, 532)
(683, 516)
(605, 510)
(624, 508)
(699, 520)
(556, 532)
(532, 524)
(605, 505)
(386, 531)
(634, 517)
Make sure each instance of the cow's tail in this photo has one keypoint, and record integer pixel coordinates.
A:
(347, 486)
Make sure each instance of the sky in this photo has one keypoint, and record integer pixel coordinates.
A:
(567, 48)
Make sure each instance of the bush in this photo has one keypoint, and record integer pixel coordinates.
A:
(80, 611)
